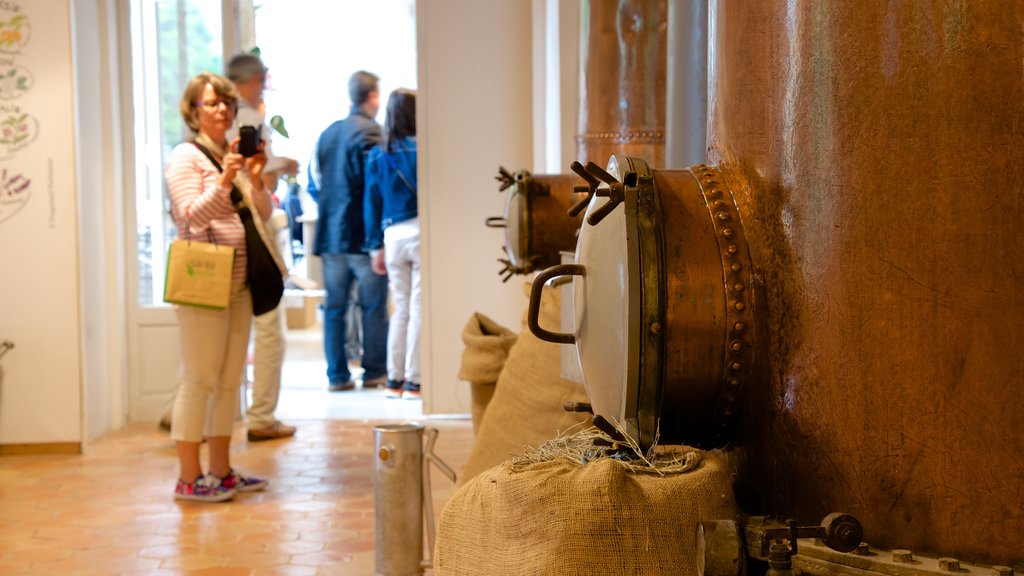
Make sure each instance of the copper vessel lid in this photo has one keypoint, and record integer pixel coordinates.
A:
(606, 308)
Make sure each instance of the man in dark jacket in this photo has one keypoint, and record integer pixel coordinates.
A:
(336, 182)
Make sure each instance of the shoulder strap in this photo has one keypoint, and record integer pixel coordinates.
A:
(236, 195)
(208, 154)
(394, 166)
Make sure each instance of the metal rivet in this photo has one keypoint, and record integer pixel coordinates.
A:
(739, 306)
(739, 327)
(732, 249)
(724, 216)
(728, 232)
(736, 346)
(727, 413)
(730, 397)
(736, 267)
(733, 383)
(902, 556)
(738, 287)
(718, 203)
(655, 327)
(735, 366)
(949, 564)
(863, 549)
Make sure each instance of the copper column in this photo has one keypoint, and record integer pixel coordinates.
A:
(877, 151)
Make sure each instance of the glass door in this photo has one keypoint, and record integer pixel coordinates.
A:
(171, 41)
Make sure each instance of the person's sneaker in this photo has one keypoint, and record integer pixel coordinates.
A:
(411, 391)
(341, 386)
(203, 490)
(393, 389)
(238, 483)
(272, 432)
(375, 382)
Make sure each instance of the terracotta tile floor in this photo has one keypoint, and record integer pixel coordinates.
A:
(111, 511)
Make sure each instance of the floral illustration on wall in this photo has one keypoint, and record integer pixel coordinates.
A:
(14, 31)
(17, 131)
(15, 190)
(14, 81)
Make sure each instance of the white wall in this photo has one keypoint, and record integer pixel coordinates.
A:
(474, 111)
(40, 379)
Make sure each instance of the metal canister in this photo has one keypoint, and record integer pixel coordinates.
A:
(398, 494)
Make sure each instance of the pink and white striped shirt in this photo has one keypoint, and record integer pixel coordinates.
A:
(198, 200)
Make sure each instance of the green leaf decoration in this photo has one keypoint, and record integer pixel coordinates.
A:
(255, 51)
(188, 269)
(277, 123)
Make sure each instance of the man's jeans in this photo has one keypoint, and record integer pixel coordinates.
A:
(340, 271)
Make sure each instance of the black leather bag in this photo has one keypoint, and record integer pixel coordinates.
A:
(266, 284)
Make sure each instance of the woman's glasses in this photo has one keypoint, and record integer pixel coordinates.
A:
(212, 105)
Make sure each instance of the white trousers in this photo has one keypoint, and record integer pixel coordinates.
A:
(214, 344)
(267, 361)
(402, 259)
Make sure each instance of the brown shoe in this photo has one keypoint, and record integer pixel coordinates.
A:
(341, 386)
(377, 382)
(272, 432)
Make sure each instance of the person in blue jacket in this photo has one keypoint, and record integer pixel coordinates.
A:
(337, 181)
(393, 238)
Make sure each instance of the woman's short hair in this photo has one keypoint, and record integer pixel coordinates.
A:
(401, 118)
(194, 90)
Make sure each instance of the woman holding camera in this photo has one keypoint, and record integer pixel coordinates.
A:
(200, 177)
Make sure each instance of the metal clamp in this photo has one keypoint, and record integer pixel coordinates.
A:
(724, 546)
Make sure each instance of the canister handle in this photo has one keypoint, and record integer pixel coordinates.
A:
(537, 289)
(496, 222)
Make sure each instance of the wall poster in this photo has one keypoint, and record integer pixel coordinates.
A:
(40, 374)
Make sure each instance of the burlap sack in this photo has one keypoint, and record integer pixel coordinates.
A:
(561, 517)
(526, 409)
(487, 345)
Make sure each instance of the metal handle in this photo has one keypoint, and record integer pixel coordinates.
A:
(537, 289)
(5, 346)
(496, 222)
(428, 497)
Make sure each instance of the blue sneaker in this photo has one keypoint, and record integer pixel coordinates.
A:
(393, 389)
(411, 391)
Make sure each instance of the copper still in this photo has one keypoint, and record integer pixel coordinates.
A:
(663, 322)
(867, 162)
(622, 111)
(535, 222)
(622, 86)
(874, 151)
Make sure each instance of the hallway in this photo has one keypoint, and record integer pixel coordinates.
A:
(110, 511)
